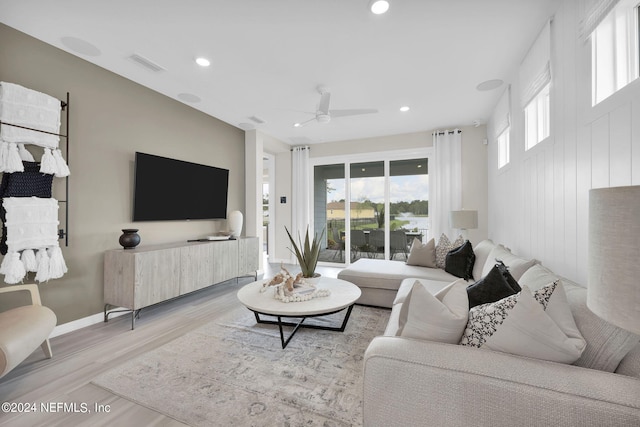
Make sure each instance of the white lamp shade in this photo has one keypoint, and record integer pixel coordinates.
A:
(234, 223)
(614, 256)
(464, 220)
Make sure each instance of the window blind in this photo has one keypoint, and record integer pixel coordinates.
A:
(501, 117)
(535, 70)
(592, 13)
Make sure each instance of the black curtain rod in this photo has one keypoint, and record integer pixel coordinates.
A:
(35, 130)
(304, 148)
(451, 132)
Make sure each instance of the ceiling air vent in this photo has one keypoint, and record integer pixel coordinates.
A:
(146, 63)
(257, 120)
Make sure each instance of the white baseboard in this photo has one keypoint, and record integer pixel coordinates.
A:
(74, 325)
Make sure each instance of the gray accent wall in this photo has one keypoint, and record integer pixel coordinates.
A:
(111, 119)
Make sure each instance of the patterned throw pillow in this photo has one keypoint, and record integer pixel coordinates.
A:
(443, 247)
(537, 325)
(459, 261)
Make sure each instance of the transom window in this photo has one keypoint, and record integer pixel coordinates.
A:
(614, 51)
(536, 116)
(503, 148)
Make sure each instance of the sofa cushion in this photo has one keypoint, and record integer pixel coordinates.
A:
(482, 251)
(607, 344)
(441, 317)
(630, 365)
(422, 254)
(387, 274)
(491, 288)
(433, 286)
(444, 246)
(459, 261)
(517, 266)
(537, 325)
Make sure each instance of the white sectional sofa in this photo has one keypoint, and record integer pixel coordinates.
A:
(412, 382)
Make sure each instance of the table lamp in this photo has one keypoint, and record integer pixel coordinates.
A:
(464, 220)
(613, 291)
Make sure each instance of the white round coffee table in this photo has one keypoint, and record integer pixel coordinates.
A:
(343, 295)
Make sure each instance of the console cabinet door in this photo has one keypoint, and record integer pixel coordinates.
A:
(225, 260)
(196, 267)
(157, 276)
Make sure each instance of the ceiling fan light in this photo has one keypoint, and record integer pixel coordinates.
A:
(379, 7)
(203, 62)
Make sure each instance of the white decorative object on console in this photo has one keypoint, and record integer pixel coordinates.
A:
(234, 223)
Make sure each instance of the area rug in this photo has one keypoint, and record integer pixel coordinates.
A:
(233, 371)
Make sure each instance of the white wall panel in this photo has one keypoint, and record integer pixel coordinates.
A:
(620, 146)
(600, 152)
(547, 217)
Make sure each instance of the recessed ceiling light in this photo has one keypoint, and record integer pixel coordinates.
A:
(189, 97)
(80, 46)
(379, 7)
(489, 85)
(297, 125)
(203, 62)
(404, 108)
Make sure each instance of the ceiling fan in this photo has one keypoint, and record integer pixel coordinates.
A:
(324, 115)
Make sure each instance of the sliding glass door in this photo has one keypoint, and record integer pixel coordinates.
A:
(371, 209)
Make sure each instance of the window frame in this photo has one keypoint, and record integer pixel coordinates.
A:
(624, 57)
(540, 115)
(504, 147)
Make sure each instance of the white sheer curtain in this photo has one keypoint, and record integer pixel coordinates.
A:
(446, 181)
(301, 176)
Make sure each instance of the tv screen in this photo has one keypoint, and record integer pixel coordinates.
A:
(169, 189)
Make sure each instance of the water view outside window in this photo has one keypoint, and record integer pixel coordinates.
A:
(362, 226)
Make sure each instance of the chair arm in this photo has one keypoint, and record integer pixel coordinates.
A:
(411, 382)
(31, 288)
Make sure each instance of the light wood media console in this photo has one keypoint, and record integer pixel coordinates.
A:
(147, 275)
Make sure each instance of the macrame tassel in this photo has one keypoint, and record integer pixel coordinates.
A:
(48, 162)
(12, 268)
(29, 260)
(62, 169)
(13, 162)
(43, 266)
(4, 153)
(25, 156)
(57, 266)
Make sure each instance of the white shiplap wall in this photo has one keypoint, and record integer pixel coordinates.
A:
(538, 204)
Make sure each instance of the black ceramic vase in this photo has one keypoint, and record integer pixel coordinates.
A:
(129, 238)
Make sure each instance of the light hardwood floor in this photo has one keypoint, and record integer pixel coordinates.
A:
(80, 356)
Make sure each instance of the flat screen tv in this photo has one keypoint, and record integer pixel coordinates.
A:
(169, 189)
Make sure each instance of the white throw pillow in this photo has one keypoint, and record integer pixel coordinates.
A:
(537, 325)
(423, 255)
(441, 317)
(444, 246)
(517, 266)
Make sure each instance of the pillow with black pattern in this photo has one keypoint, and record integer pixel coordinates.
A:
(29, 183)
(459, 261)
(491, 288)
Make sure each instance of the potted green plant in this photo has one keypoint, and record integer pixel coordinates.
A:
(307, 253)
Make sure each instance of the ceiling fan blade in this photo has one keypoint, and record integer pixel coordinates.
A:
(325, 98)
(301, 124)
(356, 112)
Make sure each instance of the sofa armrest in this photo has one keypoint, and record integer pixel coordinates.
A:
(31, 288)
(411, 382)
